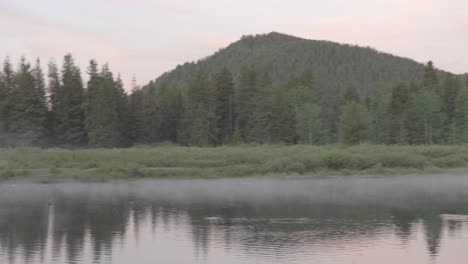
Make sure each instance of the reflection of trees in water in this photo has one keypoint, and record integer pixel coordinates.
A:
(278, 227)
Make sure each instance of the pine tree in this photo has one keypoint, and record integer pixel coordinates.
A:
(283, 118)
(6, 88)
(124, 113)
(224, 106)
(92, 104)
(354, 124)
(53, 90)
(151, 115)
(263, 116)
(245, 101)
(451, 87)
(136, 113)
(107, 115)
(430, 79)
(28, 113)
(200, 117)
(170, 101)
(461, 115)
(397, 113)
(69, 122)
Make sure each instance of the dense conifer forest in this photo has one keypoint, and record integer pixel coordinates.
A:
(262, 89)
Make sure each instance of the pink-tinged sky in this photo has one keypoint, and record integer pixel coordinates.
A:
(149, 37)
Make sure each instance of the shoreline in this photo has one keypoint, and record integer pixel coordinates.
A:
(175, 162)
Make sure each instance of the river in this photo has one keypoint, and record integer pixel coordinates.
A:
(391, 219)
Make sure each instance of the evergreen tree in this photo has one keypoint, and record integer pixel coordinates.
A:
(28, 111)
(451, 87)
(151, 115)
(123, 113)
(107, 113)
(52, 102)
(92, 103)
(354, 124)
(397, 114)
(170, 101)
(6, 88)
(263, 116)
(430, 79)
(283, 118)
(224, 106)
(69, 121)
(461, 115)
(245, 101)
(379, 123)
(200, 118)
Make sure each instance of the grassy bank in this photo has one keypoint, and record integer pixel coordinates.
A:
(232, 161)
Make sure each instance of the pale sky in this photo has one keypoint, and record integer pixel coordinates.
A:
(149, 37)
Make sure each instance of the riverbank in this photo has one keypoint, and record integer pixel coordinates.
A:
(230, 161)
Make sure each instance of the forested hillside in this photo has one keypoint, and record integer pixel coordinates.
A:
(336, 66)
(264, 89)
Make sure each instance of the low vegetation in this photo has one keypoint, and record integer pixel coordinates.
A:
(231, 161)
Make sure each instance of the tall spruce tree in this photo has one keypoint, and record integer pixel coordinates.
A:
(170, 101)
(69, 121)
(107, 116)
(136, 113)
(461, 115)
(53, 90)
(430, 79)
(451, 86)
(6, 88)
(397, 114)
(28, 112)
(224, 106)
(245, 101)
(263, 116)
(200, 116)
(151, 115)
(283, 118)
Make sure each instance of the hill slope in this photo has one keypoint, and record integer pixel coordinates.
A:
(336, 65)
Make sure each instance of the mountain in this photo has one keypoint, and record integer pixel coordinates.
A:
(336, 66)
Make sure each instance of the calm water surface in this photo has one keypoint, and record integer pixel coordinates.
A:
(411, 219)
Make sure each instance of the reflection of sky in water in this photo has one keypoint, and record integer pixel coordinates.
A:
(265, 221)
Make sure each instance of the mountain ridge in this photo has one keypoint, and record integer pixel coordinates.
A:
(336, 65)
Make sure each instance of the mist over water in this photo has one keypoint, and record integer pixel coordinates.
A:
(407, 219)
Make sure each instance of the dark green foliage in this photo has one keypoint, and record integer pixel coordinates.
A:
(224, 106)
(397, 113)
(430, 79)
(107, 113)
(281, 97)
(27, 112)
(6, 88)
(354, 124)
(262, 115)
(245, 101)
(283, 118)
(337, 66)
(69, 119)
(199, 120)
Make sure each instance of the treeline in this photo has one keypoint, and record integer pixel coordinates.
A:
(60, 110)
(218, 109)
